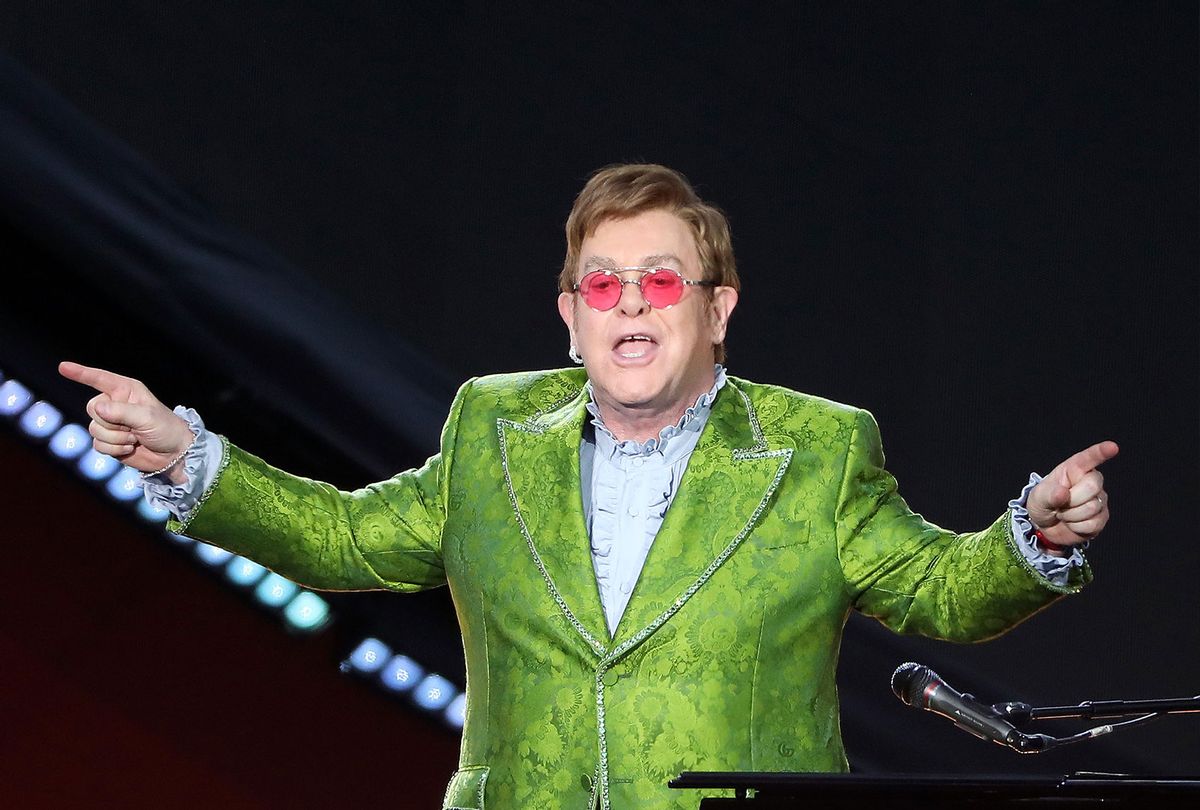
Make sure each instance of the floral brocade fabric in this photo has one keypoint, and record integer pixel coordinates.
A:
(725, 656)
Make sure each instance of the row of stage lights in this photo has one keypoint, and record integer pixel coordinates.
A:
(402, 676)
(301, 610)
(71, 443)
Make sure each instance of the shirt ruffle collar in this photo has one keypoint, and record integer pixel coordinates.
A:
(687, 422)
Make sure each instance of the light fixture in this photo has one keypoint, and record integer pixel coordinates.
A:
(368, 657)
(152, 514)
(244, 572)
(275, 591)
(307, 612)
(401, 674)
(456, 712)
(14, 398)
(70, 442)
(212, 555)
(40, 420)
(434, 693)
(97, 466)
(125, 486)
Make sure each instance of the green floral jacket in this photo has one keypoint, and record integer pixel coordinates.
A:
(725, 656)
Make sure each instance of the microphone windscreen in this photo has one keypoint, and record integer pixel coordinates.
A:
(910, 680)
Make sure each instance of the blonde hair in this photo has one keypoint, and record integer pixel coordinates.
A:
(625, 190)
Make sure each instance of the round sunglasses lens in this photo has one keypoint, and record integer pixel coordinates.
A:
(662, 288)
(600, 290)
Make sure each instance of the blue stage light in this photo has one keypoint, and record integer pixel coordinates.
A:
(71, 441)
(97, 466)
(14, 398)
(307, 611)
(126, 485)
(244, 572)
(180, 539)
(275, 591)
(401, 674)
(154, 514)
(41, 420)
(211, 555)
(369, 656)
(456, 712)
(434, 693)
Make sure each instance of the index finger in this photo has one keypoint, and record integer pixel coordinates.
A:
(103, 381)
(1087, 460)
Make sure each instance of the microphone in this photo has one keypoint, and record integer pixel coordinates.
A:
(920, 686)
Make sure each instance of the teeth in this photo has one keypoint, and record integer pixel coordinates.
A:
(633, 339)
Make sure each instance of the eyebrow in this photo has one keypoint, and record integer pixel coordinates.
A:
(662, 258)
(607, 263)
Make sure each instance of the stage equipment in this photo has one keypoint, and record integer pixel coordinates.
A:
(244, 572)
(843, 791)
(401, 674)
(41, 420)
(70, 442)
(920, 686)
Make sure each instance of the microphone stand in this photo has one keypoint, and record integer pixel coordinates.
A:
(1020, 714)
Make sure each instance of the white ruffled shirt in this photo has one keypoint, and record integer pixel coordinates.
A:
(627, 488)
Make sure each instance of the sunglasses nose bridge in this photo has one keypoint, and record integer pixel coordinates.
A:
(638, 302)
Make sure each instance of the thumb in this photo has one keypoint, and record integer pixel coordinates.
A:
(1054, 494)
(1060, 492)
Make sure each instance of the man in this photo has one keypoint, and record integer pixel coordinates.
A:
(651, 561)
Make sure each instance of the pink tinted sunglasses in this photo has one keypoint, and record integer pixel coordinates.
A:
(661, 287)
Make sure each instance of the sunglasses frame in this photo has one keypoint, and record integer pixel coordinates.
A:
(646, 271)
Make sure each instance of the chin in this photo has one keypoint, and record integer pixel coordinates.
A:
(634, 396)
(631, 390)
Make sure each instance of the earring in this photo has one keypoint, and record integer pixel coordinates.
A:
(574, 355)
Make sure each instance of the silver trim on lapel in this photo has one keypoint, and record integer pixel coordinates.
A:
(530, 427)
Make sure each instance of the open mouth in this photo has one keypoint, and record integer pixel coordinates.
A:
(635, 346)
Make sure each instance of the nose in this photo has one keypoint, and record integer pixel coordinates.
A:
(632, 302)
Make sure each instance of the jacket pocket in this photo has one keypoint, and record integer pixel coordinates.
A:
(796, 537)
(465, 791)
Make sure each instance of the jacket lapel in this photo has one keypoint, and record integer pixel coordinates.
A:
(728, 482)
(541, 472)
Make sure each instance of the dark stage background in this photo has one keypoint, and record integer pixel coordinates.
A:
(312, 222)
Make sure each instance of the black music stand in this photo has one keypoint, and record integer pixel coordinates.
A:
(774, 791)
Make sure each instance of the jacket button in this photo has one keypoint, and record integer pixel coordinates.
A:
(585, 782)
(611, 677)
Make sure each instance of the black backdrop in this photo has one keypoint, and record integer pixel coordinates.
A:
(976, 220)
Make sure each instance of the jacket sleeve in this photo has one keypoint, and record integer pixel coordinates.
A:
(916, 577)
(385, 536)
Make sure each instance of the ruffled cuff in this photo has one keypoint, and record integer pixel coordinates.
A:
(1055, 569)
(201, 464)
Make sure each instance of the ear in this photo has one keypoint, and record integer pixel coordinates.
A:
(724, 299)
(566, 311)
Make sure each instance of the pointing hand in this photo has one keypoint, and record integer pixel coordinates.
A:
(129, 423)
(1070, 505)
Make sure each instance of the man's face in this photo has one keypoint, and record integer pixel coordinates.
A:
(639, 358)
